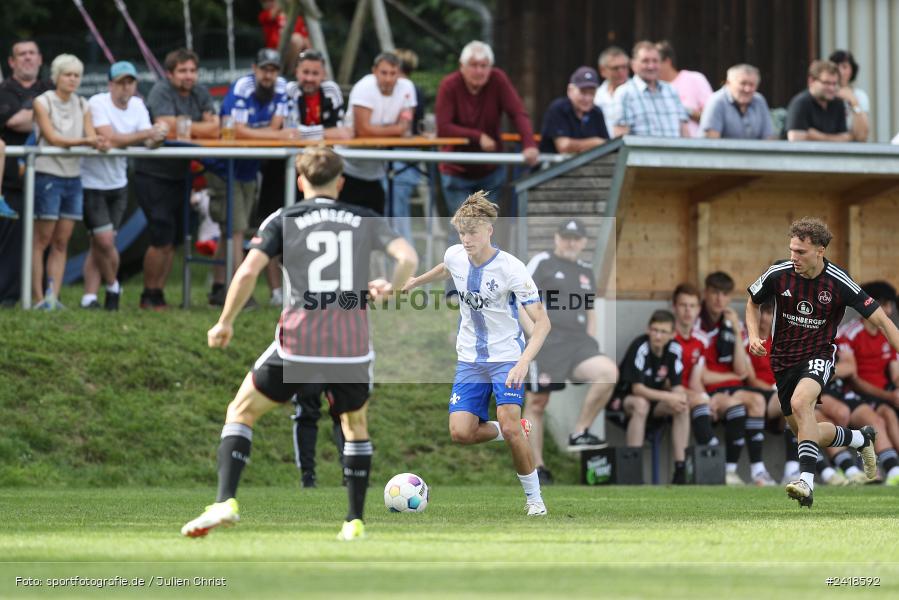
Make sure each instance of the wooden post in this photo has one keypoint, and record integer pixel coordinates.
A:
(313, 16)
(351, 49)
(855, 241)
(703, 218)
(293, 10)
(382, 25)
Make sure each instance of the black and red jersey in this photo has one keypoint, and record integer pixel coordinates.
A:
(807, 312)
(325, 248)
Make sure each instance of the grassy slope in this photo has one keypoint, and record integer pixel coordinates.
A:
(136, 397)
(608, 542)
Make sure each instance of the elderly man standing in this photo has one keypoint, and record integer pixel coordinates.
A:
(17, 95)
(573, 124)
(816, 114)
(737, 110)
(614, 69)
(470, 104)
(650, 106)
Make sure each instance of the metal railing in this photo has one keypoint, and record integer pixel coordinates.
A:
(197, 152)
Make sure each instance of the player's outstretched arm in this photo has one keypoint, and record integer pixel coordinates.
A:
(527, 324)
(882, 321)
(753, 315)
(406, 261)
(537, 314)
(241, 288)
(436, 274)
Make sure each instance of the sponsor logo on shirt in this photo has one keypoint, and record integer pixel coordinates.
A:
(786, 293)
(805, 307)
(474, 300)
(869, 301)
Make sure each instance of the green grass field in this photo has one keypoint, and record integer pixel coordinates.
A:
(473, 541)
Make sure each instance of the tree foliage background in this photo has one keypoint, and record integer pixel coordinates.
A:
(58, 27)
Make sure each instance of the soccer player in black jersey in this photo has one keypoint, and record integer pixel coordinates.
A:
(811, 295)
(322, 340)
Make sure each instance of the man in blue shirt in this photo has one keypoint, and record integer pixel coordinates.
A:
(574, 124)
(256, 104)
(737, 110)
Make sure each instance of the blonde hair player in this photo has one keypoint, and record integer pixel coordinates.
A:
(492, 355)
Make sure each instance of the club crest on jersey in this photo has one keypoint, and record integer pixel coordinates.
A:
(804, 307)
(662, 374)
(492, 285)
(474, 300)
(824, 297)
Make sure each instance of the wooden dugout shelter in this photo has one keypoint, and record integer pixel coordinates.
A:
(685, 208)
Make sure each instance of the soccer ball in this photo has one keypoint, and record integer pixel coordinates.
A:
(406, 492)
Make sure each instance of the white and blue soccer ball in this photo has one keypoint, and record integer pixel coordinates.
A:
(406, 492)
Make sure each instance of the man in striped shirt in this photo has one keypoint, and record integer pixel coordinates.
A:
(811, 295)
(649, 106)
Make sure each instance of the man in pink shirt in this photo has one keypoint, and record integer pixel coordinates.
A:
(470, 104)
(692, 87)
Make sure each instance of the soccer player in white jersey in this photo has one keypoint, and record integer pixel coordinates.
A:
(493, 357)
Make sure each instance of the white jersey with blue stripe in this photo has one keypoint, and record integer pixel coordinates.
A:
(488, 296)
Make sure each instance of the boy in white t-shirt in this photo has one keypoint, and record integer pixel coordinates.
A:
(493, 357)
(121, 117)
(381, 104)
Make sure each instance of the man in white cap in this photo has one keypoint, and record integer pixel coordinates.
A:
(123, 119)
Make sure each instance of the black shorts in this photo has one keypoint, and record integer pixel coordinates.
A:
(104, 209)
(311, 379)
(558, 358)
(818, 368)
(162, 201)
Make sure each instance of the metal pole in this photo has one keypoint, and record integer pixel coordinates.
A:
(185, 272)
(351, 48)
(188, 30)
(290, 181)
(229, 224)
(382, 25)
(313, 17)
(27, 231)
(229, 12)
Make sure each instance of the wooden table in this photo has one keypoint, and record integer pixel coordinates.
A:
(380, 142)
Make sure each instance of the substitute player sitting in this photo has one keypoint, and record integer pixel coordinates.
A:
(571, 351)
(811, 296)
(326, 248)
(876, 380)
(493, 357)
(650, 387)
